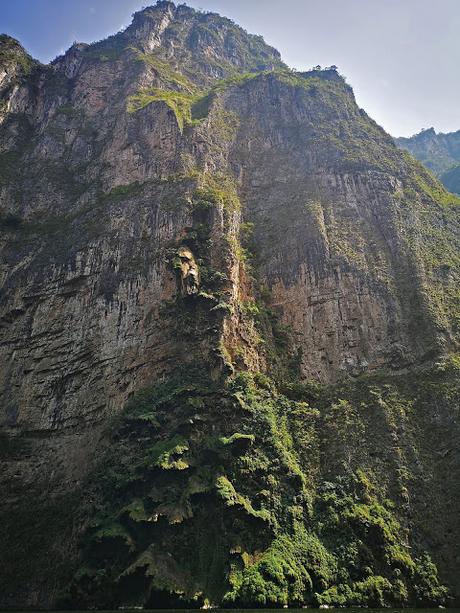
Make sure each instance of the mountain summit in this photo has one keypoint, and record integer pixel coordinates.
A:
(202, 46)
(229, 333)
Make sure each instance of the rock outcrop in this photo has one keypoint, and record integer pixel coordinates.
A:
(228, 312)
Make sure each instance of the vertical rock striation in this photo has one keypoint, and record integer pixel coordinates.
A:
(229, 318)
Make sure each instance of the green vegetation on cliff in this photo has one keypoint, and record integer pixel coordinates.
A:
(231, 492)
(12, 53)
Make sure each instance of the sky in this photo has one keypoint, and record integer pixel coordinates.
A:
(400, 56)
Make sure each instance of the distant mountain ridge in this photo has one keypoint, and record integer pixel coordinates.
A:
(439, 152)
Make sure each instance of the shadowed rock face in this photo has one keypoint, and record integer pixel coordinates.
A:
(160, 187)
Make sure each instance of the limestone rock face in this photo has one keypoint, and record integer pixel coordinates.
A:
(180, 163)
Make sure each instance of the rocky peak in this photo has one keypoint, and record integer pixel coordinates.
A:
(10, 48)
(203, 46)
(70, 62)
(150, 23)
(15, 62)
(15, 67)
(425, 134)
(205, 33)
(439, 152)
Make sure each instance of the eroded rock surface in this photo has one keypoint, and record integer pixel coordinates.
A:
(174, 200)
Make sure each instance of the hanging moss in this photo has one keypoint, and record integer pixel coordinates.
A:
(295, 519)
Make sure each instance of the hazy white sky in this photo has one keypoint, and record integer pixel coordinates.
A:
(402, 57)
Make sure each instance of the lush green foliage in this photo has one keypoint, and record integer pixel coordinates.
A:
(258, 500)
(189, 104)
(215, 190)
(11, 52)
(165, 71)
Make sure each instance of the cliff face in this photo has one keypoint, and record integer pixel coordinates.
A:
(92, 199)
(199, 247)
